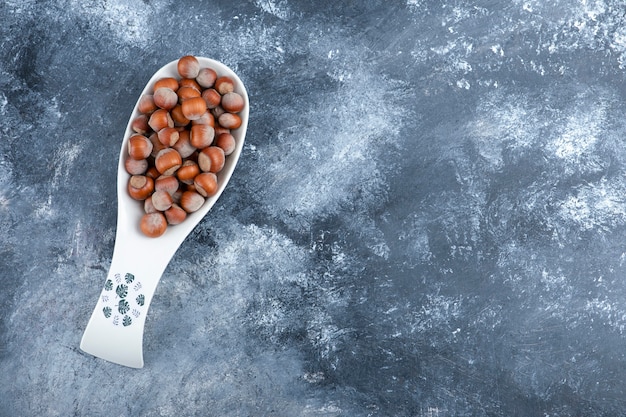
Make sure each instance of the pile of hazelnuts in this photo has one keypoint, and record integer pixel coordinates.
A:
(179, 143)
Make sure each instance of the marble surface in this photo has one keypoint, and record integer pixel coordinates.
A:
(427, 219)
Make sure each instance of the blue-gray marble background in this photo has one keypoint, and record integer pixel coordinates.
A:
(428, 217)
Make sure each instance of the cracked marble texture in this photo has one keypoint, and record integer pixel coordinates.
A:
(427, 219)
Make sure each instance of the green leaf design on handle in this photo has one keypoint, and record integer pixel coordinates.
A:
(126, 305)
(123, 306)
(122, 290)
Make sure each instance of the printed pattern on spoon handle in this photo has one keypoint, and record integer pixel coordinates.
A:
(123, 301)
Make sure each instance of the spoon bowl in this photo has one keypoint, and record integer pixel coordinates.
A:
(115, 330)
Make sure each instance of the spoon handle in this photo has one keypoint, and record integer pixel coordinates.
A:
(115, 330)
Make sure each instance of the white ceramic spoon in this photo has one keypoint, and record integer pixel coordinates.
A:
(115, 329)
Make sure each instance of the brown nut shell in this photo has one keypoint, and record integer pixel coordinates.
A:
(206, 77)
(189, 82)
(178, 117)
(185, 93)
(226, 141)
(232, 102)
(211, 159)
(168, 136)
(193, 108)
(146, 104)
(188, 66)
(201, 136)
(191, 201)
(169, 82)
(212, 98)
(152, 172)
(140, 124)
(187, 172)
(165, 98)
(136, 166)
(167, 161)
(224, 84)
(175, 214)
(156, 144)
(183, 146)
(148, 207)
(218, 111)
(139, 147)
(229, 120)
(160, 119)
(167, 183)
(140, 187)
(206, 184)
(161, 200)
(206, 119)
(153, 224)
(219, 130)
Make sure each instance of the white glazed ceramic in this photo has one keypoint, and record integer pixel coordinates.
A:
(115, 329)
